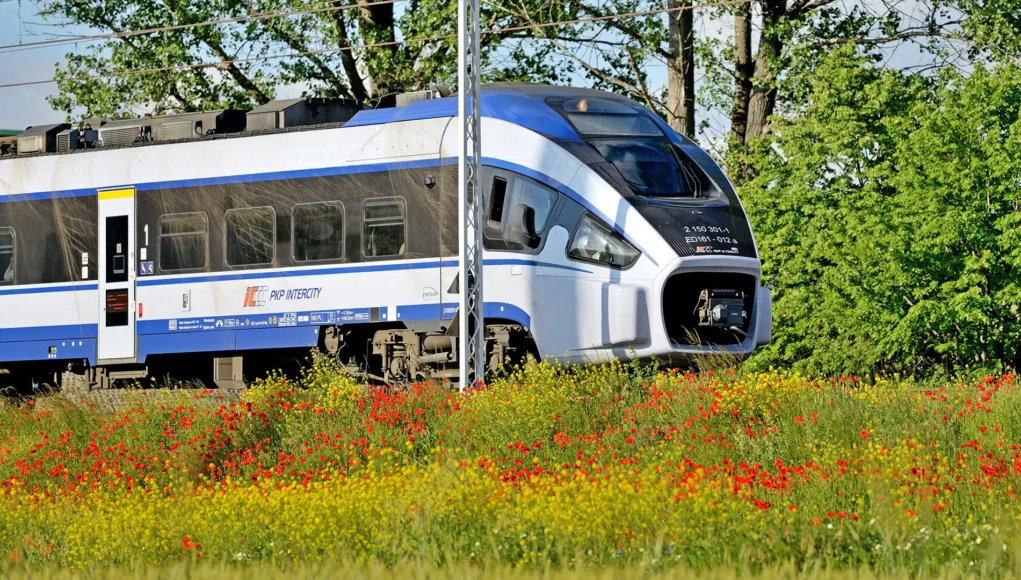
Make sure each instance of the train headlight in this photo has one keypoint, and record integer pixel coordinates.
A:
(594, 242)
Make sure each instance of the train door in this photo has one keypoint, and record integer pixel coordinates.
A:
(116, 270)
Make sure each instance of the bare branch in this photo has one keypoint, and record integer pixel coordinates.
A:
(228, 63)
(885, 39)
(175, 91)
(622, 25)
(280, 33)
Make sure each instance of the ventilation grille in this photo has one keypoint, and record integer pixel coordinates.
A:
(119, 136)
(683, 249)
(178, 130)
(63, 142)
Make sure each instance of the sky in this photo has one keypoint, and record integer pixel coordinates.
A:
(25, 106)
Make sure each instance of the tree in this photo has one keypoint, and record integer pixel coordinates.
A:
(259, 45)
(888, 215)
(680, 109)
(611, 53)
(763, 70)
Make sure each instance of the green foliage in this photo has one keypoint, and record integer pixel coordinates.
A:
(240, 63)
(887, 213)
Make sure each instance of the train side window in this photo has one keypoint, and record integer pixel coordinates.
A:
(184, 242)
(497, 199)
(250, 234)
(536, 196)
(7, 255)
(383, 227)
(507, 197)
(317, 231)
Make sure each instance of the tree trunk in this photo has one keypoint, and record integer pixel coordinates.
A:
(347, 57)
(681, 69)
(743, 70)
(763, 96)
(378, 26)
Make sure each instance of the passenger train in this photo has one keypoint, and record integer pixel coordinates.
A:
(228, 236)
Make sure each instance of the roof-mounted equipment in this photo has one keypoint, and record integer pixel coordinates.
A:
(288, 113)
(433, 92)
(170, 127)
(84, 136)
(191, 125)
(40, 138)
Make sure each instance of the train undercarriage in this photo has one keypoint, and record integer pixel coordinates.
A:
(380, 354)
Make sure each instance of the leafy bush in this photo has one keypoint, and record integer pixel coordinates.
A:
(887, 214)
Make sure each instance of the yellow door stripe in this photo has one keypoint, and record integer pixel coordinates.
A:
(117, 193)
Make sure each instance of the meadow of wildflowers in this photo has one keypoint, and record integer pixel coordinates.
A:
(597, 467)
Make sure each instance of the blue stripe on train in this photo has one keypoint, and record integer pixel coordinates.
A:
(232, 179)
(56, 349)
(67, 331)
(352, 269)
(48, 288)
(227, 340)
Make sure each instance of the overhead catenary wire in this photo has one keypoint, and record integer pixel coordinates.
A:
(317, 9)
(223, 63)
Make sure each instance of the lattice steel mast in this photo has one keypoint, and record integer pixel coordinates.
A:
(472, 344)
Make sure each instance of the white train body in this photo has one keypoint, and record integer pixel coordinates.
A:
(122, 303)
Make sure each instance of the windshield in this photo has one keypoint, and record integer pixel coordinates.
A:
(649, 166)
(634, 144)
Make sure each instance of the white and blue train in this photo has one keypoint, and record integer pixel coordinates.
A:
(129, 246)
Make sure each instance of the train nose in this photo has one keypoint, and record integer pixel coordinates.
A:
(716, 309)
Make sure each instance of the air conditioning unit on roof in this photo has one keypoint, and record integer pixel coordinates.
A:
(125, 132)
(300, 112)
(40, 139)
(192, 125)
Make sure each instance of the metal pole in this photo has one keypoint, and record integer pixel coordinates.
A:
(471, 329)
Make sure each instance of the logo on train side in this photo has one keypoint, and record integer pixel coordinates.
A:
(256, 296)
(261, 295)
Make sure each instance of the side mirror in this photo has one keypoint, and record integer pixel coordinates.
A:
(521, 229)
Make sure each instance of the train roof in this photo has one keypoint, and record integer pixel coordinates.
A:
(518, 103)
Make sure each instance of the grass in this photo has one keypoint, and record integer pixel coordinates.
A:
(423, 571)
(551, 472)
